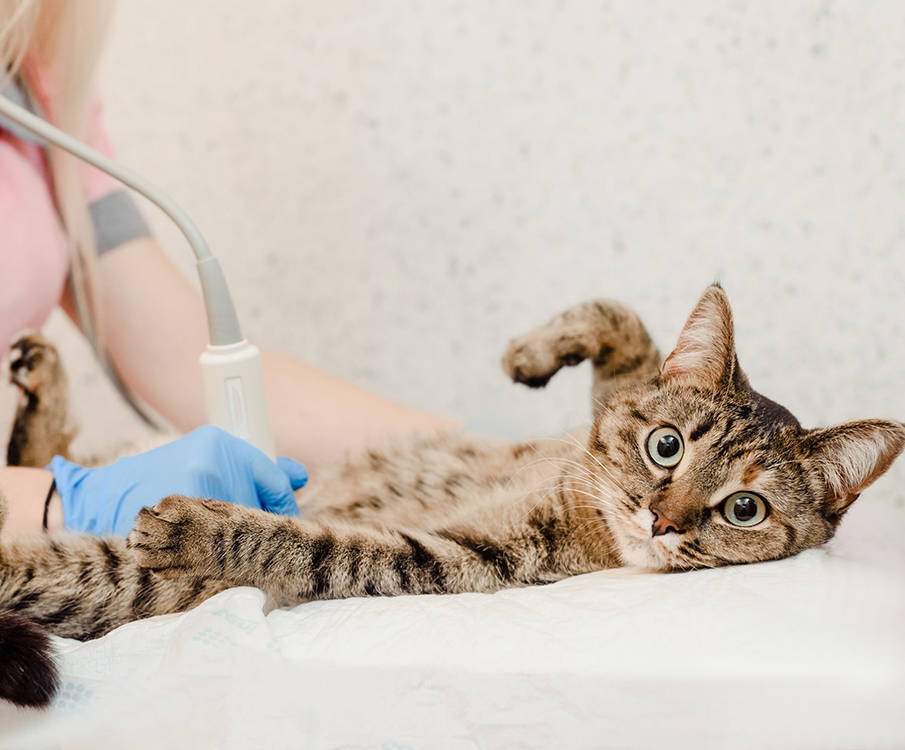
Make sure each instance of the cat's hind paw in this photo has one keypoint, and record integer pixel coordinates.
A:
(34, 365)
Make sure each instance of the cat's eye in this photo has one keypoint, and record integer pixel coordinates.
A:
(744, 509)
(665, 447)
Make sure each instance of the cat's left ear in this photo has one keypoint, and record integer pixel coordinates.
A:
(851, 456)
(705, 352)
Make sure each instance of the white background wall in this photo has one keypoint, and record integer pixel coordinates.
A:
(396, 188)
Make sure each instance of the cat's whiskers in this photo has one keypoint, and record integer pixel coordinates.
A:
(614, 492)
(687, 561)
(696, 559)
(588, 489)
(586, 474)
(589, 481)
(602, 502)
(572, 441)
(540, 491)
(603, 467)
(602, 407)
(601, 492)
(538, 462)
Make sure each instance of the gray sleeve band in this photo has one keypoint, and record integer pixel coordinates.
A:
(116, 220)
(15, 92)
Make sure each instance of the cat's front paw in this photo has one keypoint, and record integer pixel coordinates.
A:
(34, 365)
(182, 536)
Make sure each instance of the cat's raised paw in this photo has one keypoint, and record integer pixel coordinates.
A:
(181, 536)
(537, 356)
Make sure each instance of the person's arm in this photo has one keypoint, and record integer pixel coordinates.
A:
(156, 330)
(25, 491)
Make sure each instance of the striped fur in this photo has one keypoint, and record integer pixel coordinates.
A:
(452, 513)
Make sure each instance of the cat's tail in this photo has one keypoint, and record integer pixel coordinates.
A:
(28, 674)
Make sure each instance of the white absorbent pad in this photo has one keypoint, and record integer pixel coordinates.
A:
(803, 653)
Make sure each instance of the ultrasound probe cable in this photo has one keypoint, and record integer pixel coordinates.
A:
(231, 366)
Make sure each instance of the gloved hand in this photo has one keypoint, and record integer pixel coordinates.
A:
(208, 463)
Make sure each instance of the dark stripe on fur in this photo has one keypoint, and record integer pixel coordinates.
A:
(702, 429)
(547, 534)
(25, 601)
(629, 365)
(274, 543)
(717, 445)
(425, 561)
(236, 547)
(501, 559)
(321, 549)
(64, 612)
(191, 595)
(791, 536)
(112, 561)
(143, 603)
(218, 545)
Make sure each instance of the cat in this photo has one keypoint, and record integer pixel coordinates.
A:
(684, 466)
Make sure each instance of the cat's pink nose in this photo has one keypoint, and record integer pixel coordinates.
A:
(662, 523)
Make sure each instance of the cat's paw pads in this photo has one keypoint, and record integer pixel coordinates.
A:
(34, 365)
(536, 357)
(178, 536)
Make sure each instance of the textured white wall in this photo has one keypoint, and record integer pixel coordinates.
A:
(396, 188)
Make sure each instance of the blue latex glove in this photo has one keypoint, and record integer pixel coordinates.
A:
(208, 463)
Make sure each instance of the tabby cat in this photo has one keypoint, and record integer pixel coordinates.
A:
(685, 466)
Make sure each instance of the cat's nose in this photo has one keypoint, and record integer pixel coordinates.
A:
(662, 523)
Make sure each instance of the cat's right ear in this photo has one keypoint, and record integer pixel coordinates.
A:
(705, 352)
(851, 456)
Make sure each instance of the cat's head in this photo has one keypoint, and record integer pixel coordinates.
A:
(697, 469)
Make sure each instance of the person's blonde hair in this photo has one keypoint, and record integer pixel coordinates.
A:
(63, 38)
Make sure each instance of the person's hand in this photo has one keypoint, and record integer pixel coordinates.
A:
(207, 463)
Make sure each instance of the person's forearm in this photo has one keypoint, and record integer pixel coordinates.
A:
(325, 417)
(25, 491)
(156, 330)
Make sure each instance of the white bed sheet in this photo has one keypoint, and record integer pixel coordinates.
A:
(803, 653)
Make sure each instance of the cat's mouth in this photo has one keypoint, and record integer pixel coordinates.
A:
(637, 545)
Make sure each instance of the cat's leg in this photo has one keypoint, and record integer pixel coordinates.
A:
(41, 428)
(81, 586)
(607, 333)
(301, 560)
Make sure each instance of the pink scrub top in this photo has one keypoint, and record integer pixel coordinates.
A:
(34, 252)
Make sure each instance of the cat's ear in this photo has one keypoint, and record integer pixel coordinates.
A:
(705, 353)
(851, 456)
